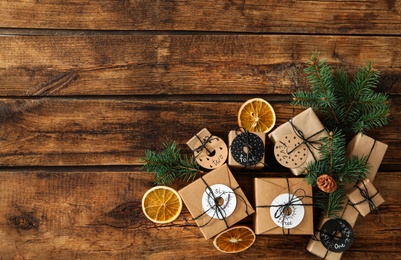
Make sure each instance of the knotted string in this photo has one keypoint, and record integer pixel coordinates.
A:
(202, 147)
(306, 140)
(365, 193)
(283, 209)
(219, 210)
(366, 198)
(244, 139)
(331, 237)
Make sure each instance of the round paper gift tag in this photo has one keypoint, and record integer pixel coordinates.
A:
(336, 235)
(213, 155)
(219, 201)
(290, 151)
(247, 149)
(287, 217)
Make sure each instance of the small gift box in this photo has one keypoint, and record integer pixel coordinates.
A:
(363, 145)
(216, 201)
(297, 141)
(246, 150)
(365, 197)
(334, 236)
(210, 151)
(283, 206)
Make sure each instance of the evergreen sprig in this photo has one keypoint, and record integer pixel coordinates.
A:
(351, 105)
(330, 203)
(169, 164)
(341, 168)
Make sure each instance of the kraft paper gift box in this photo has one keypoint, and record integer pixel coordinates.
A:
(363, 145)
(305, 124)
(266, 191)
(210, 151)
(349, 214)
(248, 149)
(193, 197)
(365, 197)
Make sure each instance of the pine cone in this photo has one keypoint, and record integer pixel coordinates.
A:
(326, 183)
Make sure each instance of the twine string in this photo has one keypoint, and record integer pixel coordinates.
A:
(283, 209)
(244, 140)
(214, 205)
(203, 142)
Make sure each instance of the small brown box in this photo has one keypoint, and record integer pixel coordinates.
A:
(192, 196)
(233, 164)
(266, 190)
(361, 203)
(312, 129)
(210, 151)
(350, 214)
(363, 145)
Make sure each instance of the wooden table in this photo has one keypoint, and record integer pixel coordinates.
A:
(88, 86)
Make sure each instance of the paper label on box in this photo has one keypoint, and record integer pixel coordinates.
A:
(247, 149)
(219, 201)
(290, 151)
(337, 235)
(287, 216)
(213, 154)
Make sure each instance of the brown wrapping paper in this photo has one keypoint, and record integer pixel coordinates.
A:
(215, 152)
(192, 197)
(233, 164)
(309, 124)
(360, 145)
(350, 214)
(360, 203)
(363, 145)
(266, 190)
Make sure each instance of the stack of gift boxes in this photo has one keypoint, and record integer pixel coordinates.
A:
(282, 206)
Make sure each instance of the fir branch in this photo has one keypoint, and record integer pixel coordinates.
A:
(330, 203)
(365, 80)
(354, 169)
(313, 170)
(333, 151)
(169, 165)
(348, 105)
(320, 76)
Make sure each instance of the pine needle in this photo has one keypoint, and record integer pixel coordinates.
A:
(169, 165)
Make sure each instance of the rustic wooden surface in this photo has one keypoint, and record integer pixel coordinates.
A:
(88, 86)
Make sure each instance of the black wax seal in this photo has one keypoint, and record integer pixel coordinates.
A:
(247, 149)
(336, 235)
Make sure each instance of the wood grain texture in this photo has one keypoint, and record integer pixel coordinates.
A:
(71, 132)
(95, 214)
(323, 17)
(183, 64)
(87, 86)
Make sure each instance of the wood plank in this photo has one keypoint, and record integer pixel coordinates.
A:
(183, 64)
(327, 17)
(57, 131)
(92, 214)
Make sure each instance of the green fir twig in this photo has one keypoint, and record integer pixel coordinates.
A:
(170, 165)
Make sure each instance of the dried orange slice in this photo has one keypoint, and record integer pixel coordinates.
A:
(256, 115)
(235, 239)
(161, 204)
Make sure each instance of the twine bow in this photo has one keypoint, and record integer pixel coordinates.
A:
(331, 238)
(305, 140)
(364, 192)
(219, 210)
(284, 209)
(202, 147)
